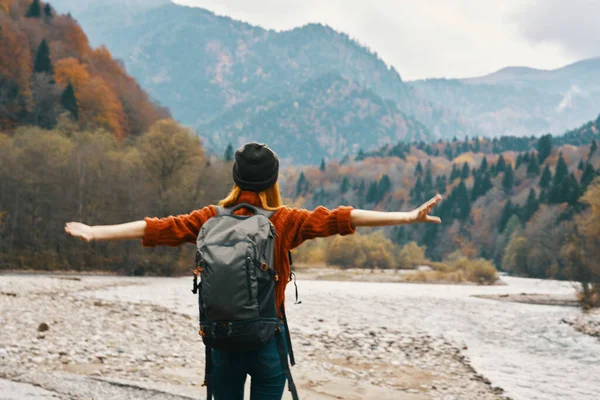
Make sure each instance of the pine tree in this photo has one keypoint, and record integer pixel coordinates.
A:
(571, 190)
(588, 176)
(229, 153)
(465, 171)
(419, 169)
(531, 206)
(500, 165)
(69, 102)
(462, 201)
(322, 167)
(507, 212)
(533, 165)
(428, 184)
(440, 184)
(484, 166)
(580, 166)
(372, 193)
(544, 147)
(562, 171)
(559, 190)
(477, 145)
(546, 178)
(383, 187)
(345, 185)
(593, 147)
(416, 193)
(519, 161)
(448, 151)
(42, 59)
(35, 10)
(47, 12)
(486, 183)
(508, 181)
(454, 174)
(301, 184)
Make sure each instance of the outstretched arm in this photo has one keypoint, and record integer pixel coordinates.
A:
(380, 218)
(130, 230)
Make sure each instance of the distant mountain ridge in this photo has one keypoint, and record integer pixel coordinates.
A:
(202, 66)
(521, 100)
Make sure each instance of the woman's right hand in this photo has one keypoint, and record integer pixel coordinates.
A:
(79, 230)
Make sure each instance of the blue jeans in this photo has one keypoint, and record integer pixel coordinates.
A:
(229, 370)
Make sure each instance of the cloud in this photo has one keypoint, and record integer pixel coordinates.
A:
(574, 25)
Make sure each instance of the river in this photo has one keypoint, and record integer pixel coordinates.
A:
(523, 348)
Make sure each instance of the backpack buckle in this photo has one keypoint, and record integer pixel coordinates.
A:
(276, 277)
(264, 266)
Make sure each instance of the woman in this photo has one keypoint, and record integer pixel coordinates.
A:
(255, 173)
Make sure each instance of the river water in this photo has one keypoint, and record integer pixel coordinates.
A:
(524, 349)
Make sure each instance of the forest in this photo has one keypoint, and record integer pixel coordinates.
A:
(80, 140)
(529, 206)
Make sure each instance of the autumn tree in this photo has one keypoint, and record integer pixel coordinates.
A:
(411, 255)
(168, 148)
(515, 255)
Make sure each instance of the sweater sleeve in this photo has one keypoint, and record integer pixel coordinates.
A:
(301, 224)
(176, 230)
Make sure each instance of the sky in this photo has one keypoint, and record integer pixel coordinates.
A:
(441, 38)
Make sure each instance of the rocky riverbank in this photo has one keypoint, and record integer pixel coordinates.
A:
(587, 323)
(71, 345)
(533, 298)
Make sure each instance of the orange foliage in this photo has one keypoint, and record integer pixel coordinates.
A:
(70, 70)
(99, 105)
(5, 5)
(75, 36)
(15, 60)
(469, 250)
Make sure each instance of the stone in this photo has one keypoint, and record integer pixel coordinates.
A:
(43, 327)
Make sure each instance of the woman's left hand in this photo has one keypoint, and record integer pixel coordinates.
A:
(421, 214)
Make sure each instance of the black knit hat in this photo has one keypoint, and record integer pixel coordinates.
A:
(256, 167)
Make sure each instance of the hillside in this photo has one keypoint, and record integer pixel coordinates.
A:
(202, 65)
(496, 191)
(328, 116)
(48, 69)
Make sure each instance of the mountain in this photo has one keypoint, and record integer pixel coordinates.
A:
(323, 117)
(202, 65)
(584, 74)
(521, 100)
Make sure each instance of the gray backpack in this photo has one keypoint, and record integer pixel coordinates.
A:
(236, 291)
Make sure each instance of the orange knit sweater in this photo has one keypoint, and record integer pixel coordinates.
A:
(293, 226)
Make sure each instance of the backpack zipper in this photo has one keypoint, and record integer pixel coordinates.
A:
(248, 263)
